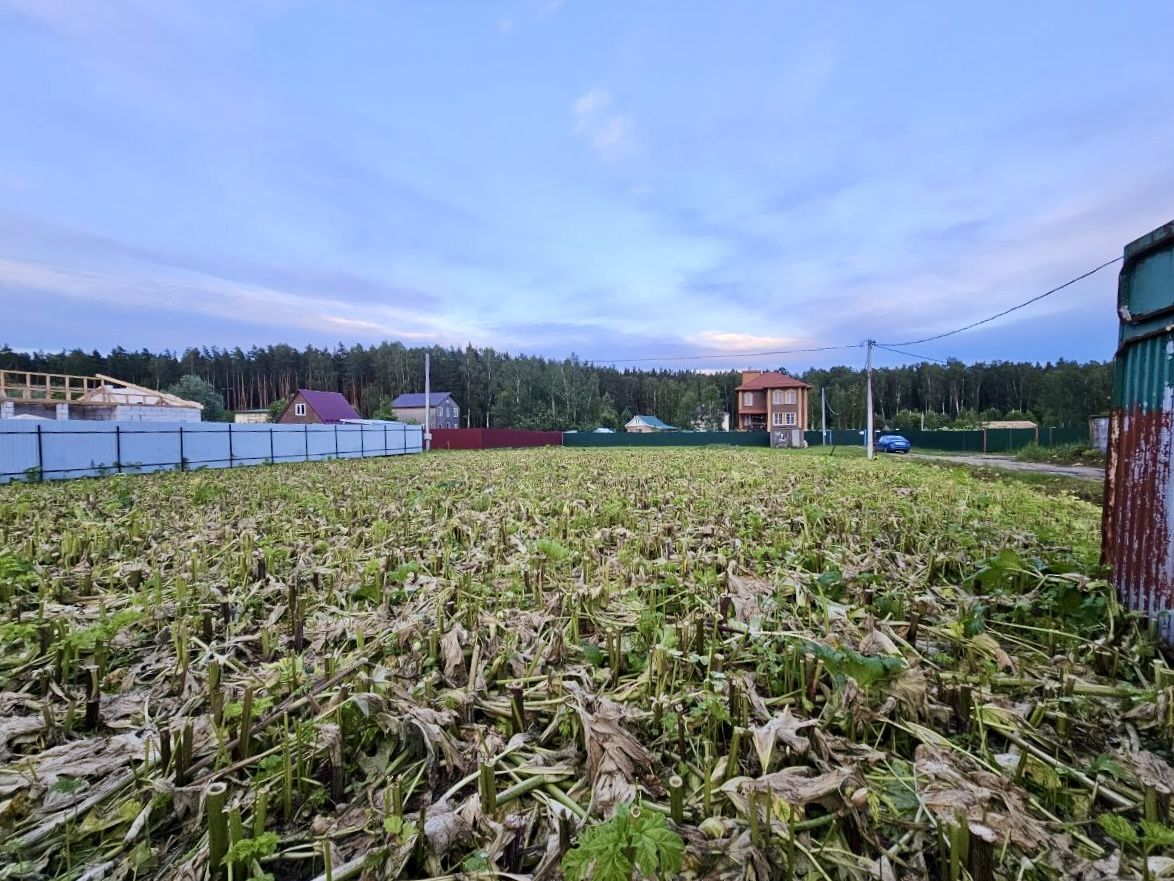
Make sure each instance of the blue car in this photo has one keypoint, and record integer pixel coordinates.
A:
(892, 443)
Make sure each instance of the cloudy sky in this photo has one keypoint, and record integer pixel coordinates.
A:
(616, 179)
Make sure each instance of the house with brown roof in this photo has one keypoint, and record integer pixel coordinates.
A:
(769, 400)
(309, 407)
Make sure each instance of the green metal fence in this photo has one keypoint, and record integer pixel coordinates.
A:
(668, 439)
(991, 440)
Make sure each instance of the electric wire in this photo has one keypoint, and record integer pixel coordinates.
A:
(886, 345)
(909, 354)
(1015, 308)
(723, 355)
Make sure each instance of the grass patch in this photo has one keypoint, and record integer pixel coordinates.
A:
(1062, 454)
(706, 663)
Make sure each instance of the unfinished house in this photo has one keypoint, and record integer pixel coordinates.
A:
(54, 396)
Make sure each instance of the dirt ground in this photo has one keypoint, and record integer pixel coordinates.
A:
(1081, 472)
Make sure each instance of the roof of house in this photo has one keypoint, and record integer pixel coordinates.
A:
(772, 379)
(1009, 423)
(330, 406)
(650, 421)
(411, 400)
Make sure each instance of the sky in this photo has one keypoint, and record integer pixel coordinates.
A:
(618, 180)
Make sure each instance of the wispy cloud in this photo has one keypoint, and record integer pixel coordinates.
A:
(734, 342)
(198, 293)
(611, 133)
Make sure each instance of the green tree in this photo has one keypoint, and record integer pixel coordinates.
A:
(193, 388)
(277, 408)
(384, 410)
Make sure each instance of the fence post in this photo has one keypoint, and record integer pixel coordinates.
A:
(362, 444)
(272, 451)
(230, 445)
(306, 439)
(182, 464)
(336, 441)
(385, 440)
(40, 454)
(984, 440)
(118, 447)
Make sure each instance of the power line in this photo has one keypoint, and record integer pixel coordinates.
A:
(1034, 299)
(726, 355)
(910, 354)
(886, 346)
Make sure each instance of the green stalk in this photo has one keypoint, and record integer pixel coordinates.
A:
(215, 796)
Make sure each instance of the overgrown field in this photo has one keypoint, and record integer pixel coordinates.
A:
(610, 664)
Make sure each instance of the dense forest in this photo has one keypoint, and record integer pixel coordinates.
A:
(502, 390)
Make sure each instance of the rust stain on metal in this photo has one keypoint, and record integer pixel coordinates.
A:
(1139, 512)
(1138, 532)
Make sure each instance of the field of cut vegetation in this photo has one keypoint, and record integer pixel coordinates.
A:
(608, 664)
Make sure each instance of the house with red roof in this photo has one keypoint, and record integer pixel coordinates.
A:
(769, 400)
(309, 407)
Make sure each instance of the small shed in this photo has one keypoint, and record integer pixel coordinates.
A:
(310, 407)
(1011, 423)
(1098, 433)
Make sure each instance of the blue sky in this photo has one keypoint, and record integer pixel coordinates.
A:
(615, 179)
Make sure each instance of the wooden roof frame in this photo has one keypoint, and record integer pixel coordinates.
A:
(85, 391)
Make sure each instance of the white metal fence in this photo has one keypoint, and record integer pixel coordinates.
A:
(78, 448)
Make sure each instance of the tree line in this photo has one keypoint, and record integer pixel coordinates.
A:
(502, 390)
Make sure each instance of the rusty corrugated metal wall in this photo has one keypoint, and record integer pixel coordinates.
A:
(1139, 491)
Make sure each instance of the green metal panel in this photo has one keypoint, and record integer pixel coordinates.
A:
(668, 439)
(1002, 440)
(1144, 374)
(960, 441)
(1145, 291)
(1063, 434)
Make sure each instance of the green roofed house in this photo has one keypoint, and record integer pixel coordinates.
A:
(644, 424)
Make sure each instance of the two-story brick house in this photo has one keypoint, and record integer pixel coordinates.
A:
(771, 400)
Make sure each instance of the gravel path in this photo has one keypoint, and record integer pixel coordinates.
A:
(1082, 472)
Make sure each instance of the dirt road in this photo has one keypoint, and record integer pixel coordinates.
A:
(1081, 472)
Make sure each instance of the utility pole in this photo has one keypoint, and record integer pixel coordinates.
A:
(428, 401)
(823, 399)
(868, 400)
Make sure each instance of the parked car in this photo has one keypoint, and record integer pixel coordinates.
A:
(892, 443)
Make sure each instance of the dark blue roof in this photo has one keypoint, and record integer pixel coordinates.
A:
(412, 400)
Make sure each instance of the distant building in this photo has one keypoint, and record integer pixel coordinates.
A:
(102, 398)
(645, 424)
(309, 407)
(445, 413)
(250, 417)
(1098, 433)
(701, 424)
(1010, 423)
(771, 401)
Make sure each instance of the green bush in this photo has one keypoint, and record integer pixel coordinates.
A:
(1062, 454)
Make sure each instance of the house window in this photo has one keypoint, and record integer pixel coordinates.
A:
(748, 399)
(789, 396)
(776, 397)
(299, 409)
(777, 417)
(789, 418)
